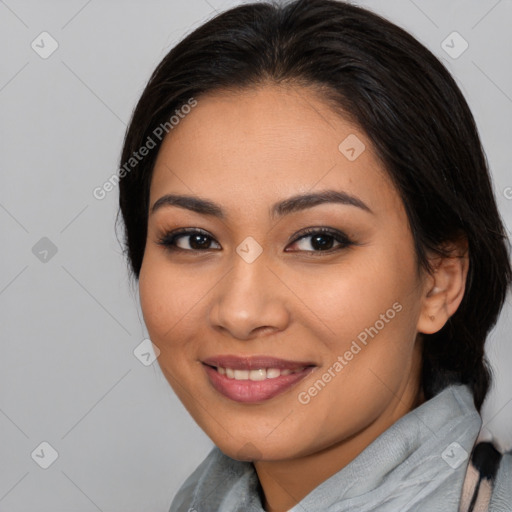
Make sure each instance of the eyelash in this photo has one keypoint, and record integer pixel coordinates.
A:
(168, 240)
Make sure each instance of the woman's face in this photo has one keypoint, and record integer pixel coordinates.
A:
(344, 303)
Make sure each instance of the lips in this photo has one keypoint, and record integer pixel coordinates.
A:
(253, 391)
(255, 362)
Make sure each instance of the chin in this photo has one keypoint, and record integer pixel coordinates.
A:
(258, 449)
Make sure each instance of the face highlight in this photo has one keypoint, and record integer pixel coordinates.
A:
(299, 280)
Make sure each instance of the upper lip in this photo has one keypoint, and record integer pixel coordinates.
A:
(254, 362)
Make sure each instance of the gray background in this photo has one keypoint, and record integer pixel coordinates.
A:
(70, 321)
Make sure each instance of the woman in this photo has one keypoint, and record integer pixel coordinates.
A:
(320, 258)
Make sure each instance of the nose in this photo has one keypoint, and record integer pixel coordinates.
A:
(250, 300)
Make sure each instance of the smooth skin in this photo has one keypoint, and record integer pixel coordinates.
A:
(246, 151)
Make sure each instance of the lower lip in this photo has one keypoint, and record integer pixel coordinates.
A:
(254, 390)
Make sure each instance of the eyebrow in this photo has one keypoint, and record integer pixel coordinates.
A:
(290, 205)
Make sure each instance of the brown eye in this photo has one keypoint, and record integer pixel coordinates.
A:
(322, 240)
(196, 240)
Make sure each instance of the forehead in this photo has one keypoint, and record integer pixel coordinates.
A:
(264, 144)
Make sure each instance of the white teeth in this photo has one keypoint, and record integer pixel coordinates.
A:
(259, 374)
(241, 374)
(272, 373)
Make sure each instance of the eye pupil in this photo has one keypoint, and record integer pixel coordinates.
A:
(196, 243)
(322, 245)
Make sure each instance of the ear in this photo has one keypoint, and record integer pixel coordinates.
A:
(444, 288)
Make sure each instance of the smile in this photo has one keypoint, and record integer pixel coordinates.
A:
(254, 379)
(256, 375)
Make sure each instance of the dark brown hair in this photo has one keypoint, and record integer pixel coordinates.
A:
(401, 96)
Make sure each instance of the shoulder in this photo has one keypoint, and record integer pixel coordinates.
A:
(209, 482)
(185, 495)
(501, 500)
(488, 481)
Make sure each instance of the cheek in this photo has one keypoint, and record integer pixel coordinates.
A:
(367, 375)
(376, 330)
(352, 296)
(371, 310)
(154, 297)
(164, 299)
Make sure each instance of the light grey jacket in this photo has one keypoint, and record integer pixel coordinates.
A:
(419, 464)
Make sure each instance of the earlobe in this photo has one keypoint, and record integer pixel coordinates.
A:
(444, 290)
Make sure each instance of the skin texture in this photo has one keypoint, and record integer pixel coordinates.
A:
(245, 151)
